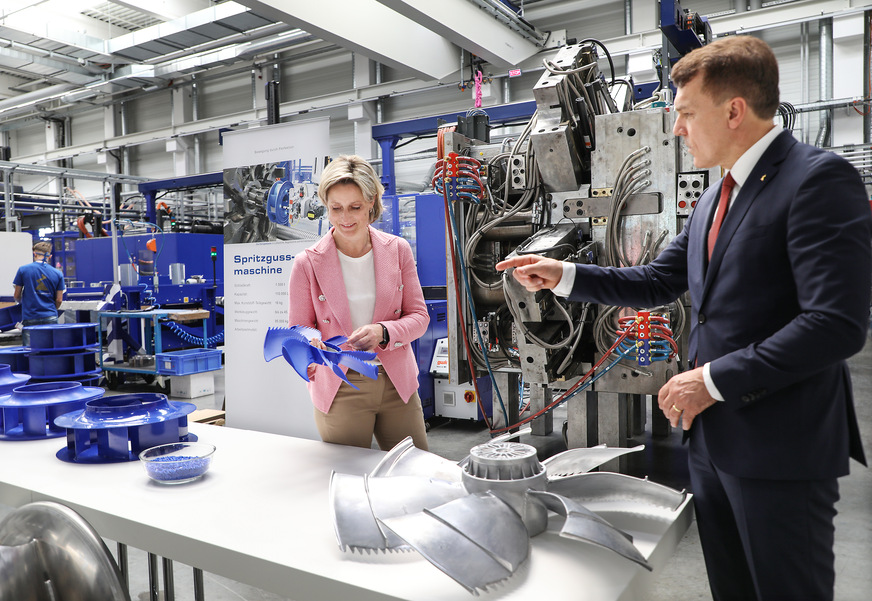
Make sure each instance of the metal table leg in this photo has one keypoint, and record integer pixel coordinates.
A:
(153, 577)
(199, 588)
(122, 565)
(169, 583)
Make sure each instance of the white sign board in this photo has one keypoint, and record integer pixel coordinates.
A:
(258, 254)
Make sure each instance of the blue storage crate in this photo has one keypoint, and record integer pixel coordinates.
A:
(191, 361)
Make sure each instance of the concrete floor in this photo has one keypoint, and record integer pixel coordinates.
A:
(664, 461)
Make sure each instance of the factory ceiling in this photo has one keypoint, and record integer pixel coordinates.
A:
(56, 53)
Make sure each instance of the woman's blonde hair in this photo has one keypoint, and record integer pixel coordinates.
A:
(352, 169)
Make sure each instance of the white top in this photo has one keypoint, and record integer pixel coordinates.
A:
(359, 276)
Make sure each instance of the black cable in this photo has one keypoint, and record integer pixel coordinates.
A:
(606, 50)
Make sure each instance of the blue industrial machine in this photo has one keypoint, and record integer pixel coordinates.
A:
(420, 219)
(159, 271)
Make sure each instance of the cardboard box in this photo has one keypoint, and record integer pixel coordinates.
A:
(193, 385)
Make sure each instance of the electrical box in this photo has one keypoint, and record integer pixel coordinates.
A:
(458, 401)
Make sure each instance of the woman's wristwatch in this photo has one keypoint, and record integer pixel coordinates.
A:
(385, 336)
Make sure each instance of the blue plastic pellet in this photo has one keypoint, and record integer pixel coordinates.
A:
(177, 467)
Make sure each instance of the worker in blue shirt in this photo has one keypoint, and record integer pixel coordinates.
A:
(39, 288)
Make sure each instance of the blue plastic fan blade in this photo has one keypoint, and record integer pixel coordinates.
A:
(338, 371)
(272, 344)
(359, 362)
(300, 354)
(294, 345)
(306, 332)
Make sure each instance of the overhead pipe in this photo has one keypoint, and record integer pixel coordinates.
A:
(867, 76)
(804, 77)
(508, 17)
(825, 86)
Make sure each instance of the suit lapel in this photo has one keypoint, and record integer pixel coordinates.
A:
(764, 172)
(328, 273)
(387, 279)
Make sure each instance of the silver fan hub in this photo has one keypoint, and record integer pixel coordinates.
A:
(509, 470)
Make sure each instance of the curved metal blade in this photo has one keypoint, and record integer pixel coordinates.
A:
(405, 459)
(580, 461)
(608, 486)
(353, 521)
(455, 539)
(584, 525)
(356, 502)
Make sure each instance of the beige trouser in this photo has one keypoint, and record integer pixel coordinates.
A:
(376, 408)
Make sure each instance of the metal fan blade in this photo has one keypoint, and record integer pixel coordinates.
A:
(455, 539)
(353, 521)
(356, 502)
(584, 525)
(607, 486)
(580, 461)
(405, 459)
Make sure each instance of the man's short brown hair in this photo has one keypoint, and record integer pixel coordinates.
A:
(42, 247)
(734, 66)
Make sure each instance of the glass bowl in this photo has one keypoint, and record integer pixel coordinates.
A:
(177, 462)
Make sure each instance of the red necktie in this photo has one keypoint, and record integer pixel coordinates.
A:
(723, 204)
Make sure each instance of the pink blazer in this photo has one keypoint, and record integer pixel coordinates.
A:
(317, 298)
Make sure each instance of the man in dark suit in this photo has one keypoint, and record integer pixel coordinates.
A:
(776, 257)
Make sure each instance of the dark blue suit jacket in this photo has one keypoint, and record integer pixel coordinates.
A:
(782, 304)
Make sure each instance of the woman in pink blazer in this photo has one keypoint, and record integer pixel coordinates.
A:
(361, 283)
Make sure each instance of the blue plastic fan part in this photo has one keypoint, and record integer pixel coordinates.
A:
(62, 336)
(28, 413)
(278, 202)
(9, 316)
(120, 427)
(16, 357)
(294, 345)
(63, 365)
(9, 380)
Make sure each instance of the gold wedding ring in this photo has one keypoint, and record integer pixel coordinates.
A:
(677, 410)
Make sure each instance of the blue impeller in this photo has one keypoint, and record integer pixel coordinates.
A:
(294, 345)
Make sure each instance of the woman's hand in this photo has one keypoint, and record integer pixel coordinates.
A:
(366, 338)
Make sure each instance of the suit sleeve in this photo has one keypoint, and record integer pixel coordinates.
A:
(657, 283)
(413, 318)
(829, 256)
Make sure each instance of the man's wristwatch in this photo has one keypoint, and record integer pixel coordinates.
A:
(385, 336)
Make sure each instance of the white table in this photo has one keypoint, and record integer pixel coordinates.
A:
(260, 516)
